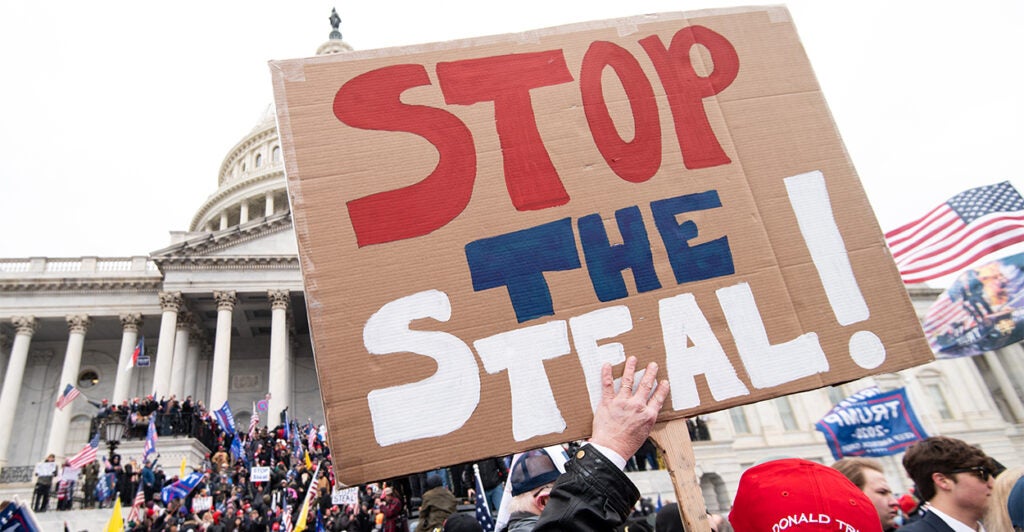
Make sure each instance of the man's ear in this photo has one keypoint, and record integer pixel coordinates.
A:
(941, 481)
(541, 500)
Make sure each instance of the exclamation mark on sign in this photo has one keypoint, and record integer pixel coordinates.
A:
(809, 198)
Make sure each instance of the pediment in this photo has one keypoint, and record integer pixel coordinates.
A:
(272, 236)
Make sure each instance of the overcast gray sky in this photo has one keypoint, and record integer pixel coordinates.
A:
(117, 115)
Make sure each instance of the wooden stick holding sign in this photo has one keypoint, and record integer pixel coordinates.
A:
(673, 439)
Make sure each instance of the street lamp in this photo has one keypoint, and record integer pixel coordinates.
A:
(113, 431)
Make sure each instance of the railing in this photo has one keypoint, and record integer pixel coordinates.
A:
(188, 425)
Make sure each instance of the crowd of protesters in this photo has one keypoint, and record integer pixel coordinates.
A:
(226, 498)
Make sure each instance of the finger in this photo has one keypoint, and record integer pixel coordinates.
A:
(660, 395)
(627, 376)
(607, 382)
(649, 378)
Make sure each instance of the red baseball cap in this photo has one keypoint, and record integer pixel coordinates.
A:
(798, 495)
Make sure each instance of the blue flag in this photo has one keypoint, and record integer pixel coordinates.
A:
(225, 419)
(181, 488)
(236, 450)
(103, 488)
(871, 423)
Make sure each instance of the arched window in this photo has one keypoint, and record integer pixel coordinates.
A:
(88, 378)
(275, 154)
(259, 160)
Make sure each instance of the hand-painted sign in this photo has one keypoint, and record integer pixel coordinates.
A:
(482, 224)
(871, 423)
(982, 311)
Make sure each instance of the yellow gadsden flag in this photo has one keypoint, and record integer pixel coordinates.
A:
(116, 522)
(182, 474)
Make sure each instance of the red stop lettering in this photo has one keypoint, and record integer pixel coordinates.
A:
(686, 90)
(637, 160)
(506, 80)
(372, 101)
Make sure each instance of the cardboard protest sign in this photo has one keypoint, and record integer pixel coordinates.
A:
(483, 223)
(260, 474)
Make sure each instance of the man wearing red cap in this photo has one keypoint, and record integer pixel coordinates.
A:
(798, 495)
(955, 478)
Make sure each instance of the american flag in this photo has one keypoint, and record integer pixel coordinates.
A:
(254, 422)
(483, 513)
(69, 394)
(140, 499)
(87, 455)
(149, 447)
(967, 227)
(286, 520)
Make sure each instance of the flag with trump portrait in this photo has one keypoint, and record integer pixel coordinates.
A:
(981, 311)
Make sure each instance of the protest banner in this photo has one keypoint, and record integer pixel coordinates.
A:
(873, 424)
(46, 469)
(70, 473)
(345, 496)
(483, 223)
(983, 310)
(201, 504)
(260, 474)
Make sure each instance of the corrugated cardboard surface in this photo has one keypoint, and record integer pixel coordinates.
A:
(772, 122)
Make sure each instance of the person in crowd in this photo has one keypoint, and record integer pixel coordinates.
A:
(532, 476)
(391, 508)
(954, 478)
(44, 483)
(493, 473)
(438, 503)
(594, 494)
(668, 519)
(91, 476)
(869, 476)
(997, 517)
(797, 495)
(461, 523)
(1015, 506)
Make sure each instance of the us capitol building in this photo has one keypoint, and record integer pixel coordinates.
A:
(222, 316)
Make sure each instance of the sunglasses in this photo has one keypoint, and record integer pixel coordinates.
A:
(981, 472)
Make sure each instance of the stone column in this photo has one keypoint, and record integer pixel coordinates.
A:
(223, 220)
(25, 327)
(170, 303)
(280, 391)
(243, 212)
(5, 352)
(192, 361)
(77, 325)
(222, 349)
(180, 359)
(269, 209)
(130, 324)
(1009, 393)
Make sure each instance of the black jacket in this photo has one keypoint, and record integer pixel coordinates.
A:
(929, 522)
(592, 495)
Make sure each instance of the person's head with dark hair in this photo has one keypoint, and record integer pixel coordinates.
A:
(952, 476)
(869, 476)
(433, 481)
(668, 519)
(462, 523)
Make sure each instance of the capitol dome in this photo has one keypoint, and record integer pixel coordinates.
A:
(250, 183)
